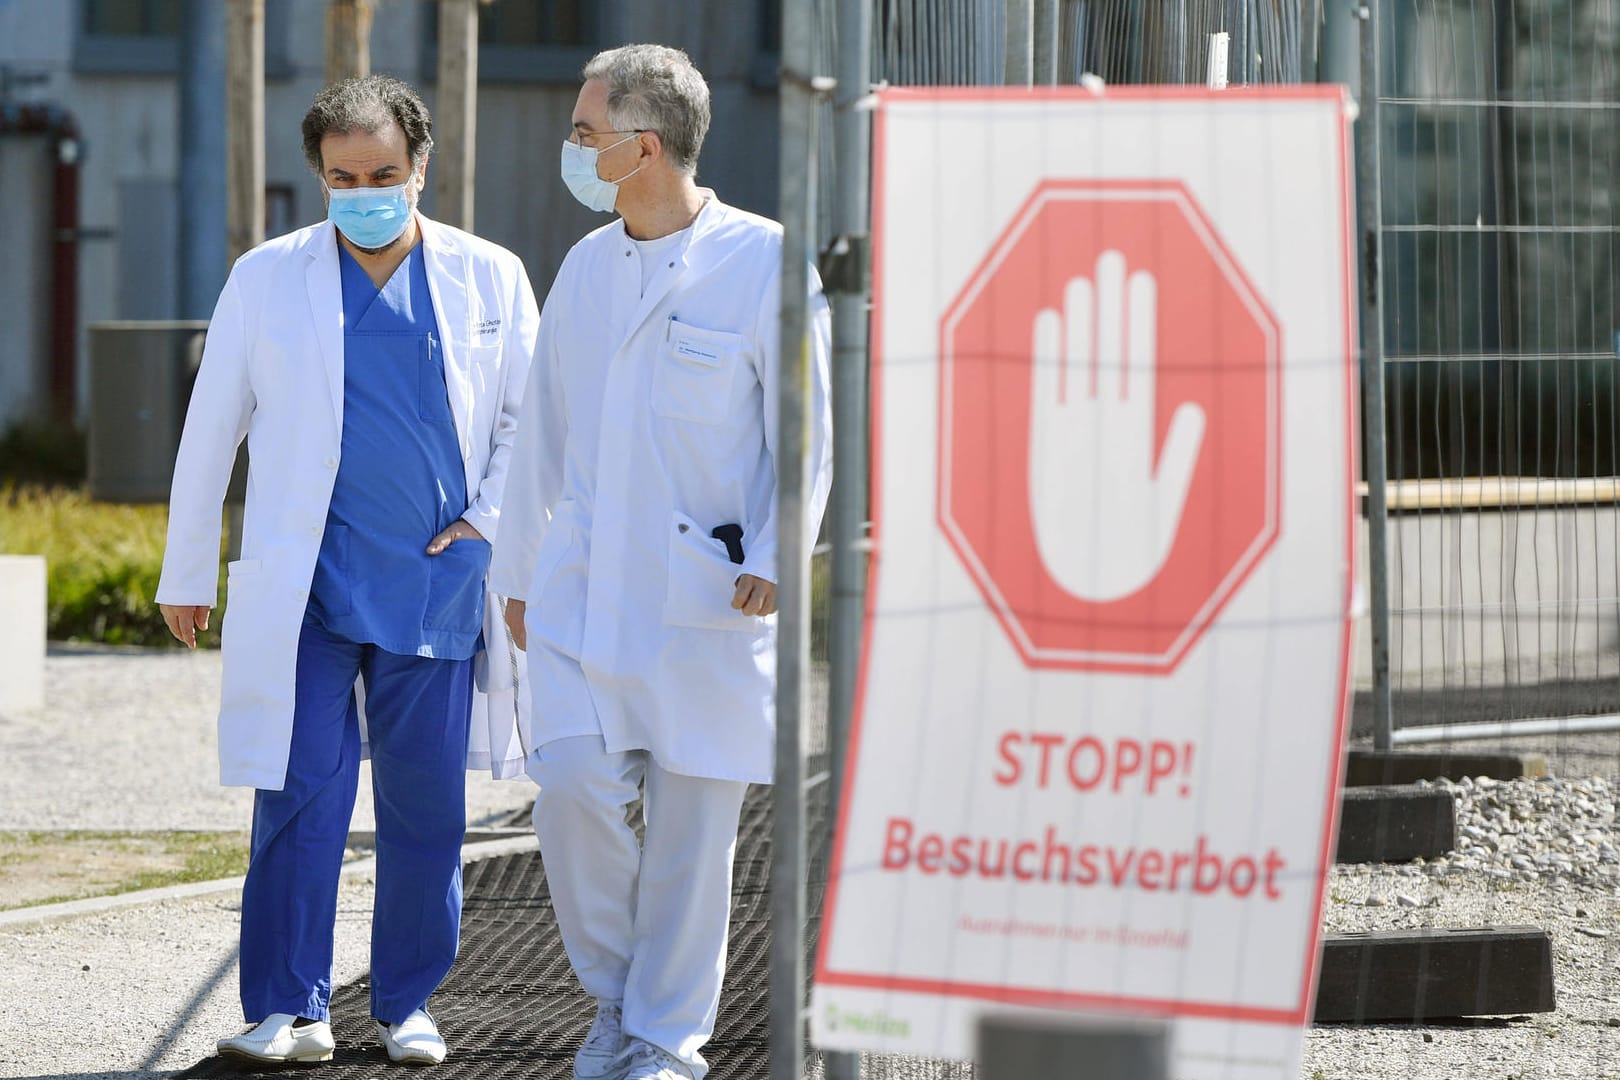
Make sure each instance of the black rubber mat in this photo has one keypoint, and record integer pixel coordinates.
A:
(510, 1006)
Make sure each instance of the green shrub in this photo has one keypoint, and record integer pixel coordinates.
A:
(102, 563)
(34, 452)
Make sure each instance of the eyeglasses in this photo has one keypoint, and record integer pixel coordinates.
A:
(578, 137)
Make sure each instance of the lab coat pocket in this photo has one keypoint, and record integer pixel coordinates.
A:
(456, 587)
(702, 581)
(241, 578)
(697, 374)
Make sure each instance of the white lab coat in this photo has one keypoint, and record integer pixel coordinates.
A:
(272, 371)
(648, 421)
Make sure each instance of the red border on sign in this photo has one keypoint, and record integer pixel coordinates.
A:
(1300, 1014)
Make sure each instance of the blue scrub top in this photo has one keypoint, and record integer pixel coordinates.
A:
(400, 482)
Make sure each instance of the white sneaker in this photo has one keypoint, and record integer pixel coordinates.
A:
(602, 1053)
(649, 1062)
(276, 1039)
(415, 1041)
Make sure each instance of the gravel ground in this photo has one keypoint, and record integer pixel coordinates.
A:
(142, 991)
(1530, 853)
(126, 741)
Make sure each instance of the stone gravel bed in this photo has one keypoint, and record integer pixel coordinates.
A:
(1530, 853)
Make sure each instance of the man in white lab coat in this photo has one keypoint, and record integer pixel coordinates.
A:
(639, 553)
(375, 363)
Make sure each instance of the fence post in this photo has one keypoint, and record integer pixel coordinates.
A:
(1045, 43)
(1020, 40)
(788, 850)
(1371, 213)
(849, 510)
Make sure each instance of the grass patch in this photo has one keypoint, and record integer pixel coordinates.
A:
(49, 867)
(102, 563)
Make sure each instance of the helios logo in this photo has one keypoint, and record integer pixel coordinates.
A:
(867, 1023)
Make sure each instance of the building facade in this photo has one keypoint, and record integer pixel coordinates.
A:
(111, 71)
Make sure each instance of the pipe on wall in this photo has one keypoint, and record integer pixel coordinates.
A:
(67, 149)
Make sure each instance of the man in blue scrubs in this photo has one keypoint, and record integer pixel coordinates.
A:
(393, 595)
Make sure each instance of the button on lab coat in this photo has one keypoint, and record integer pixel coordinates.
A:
(272, 371)
(650, 420)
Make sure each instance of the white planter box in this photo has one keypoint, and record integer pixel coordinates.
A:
(22, 632)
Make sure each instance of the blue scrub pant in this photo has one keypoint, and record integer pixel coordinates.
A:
(417, 714)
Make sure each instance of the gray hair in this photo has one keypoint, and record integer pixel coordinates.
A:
(368, 103)
(656, 88)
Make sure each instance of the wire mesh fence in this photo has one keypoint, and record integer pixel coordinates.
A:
(1500, 133)
(1499, 136)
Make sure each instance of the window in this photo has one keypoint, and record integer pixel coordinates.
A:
(529, 40)
(531, 23)
(765, 74)
(142, 37)
(129, 37)
(132, 18)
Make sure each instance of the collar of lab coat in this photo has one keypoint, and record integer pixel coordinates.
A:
(694, 258)
(446, 265)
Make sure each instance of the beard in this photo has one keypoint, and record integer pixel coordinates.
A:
(386, 247)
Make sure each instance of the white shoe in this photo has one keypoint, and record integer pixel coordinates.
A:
(601, 1055)
(415, 1041)
(276, 1039)
(649, 1062)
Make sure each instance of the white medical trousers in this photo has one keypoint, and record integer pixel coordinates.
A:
(642, 922)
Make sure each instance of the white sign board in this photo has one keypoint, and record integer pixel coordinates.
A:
(1096, 757)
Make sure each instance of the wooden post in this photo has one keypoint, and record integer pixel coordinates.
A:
(348, 39)
(244, 130)
(244, 178)
(456, 125)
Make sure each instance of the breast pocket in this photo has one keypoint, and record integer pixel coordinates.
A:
(700, 375)
(432, 395)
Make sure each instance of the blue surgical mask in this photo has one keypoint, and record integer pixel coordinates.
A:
(370, 217)
(579, 173)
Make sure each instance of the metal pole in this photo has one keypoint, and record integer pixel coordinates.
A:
(203, 241)
(788, 853)
(1507, 729)
(1020, 63)
(849, 510)
(457, 119)
(1371, 206)
(1044, 43)
(1338, 56)
(348, 39)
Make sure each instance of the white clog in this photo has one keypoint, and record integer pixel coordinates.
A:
(275, 1038)
(414, 1041)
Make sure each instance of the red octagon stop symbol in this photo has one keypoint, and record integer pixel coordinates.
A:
(1217, 347)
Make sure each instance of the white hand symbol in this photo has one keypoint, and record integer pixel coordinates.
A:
(1105, 517)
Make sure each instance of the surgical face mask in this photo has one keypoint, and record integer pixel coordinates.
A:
(370, 217)
(579, 173)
